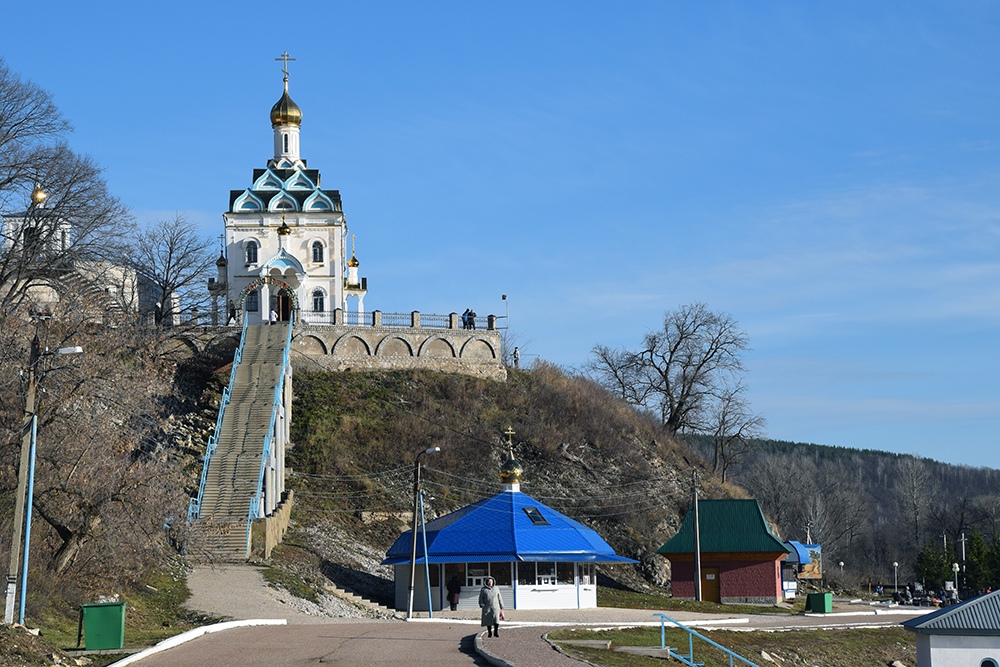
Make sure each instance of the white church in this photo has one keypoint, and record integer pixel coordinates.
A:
(286, 239)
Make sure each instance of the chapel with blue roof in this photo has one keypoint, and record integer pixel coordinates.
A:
(539, 558)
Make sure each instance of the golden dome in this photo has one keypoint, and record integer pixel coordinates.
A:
(38, 195)
(284, 229)
(353, 262)
(285, 111)
(511, 470)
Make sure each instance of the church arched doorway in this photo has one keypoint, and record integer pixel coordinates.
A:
(283, 306)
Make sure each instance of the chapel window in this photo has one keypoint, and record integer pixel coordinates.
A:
(252, 252)
(253, 302)
(317, 252)
(319, 302)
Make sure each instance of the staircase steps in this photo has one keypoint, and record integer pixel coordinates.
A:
(233, 476)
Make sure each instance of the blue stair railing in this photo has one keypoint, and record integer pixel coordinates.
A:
(194, 505)
(689, 659)
(275, 407)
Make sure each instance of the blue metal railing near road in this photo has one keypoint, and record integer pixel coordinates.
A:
(275, 406)
(194, 506)
(689, 658)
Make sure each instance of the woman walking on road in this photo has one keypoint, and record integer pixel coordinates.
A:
(491, 603)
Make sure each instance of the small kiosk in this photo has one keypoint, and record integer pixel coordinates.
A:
(539, 558)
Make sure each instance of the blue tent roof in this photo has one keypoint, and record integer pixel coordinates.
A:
(803, 551)
(500, 529)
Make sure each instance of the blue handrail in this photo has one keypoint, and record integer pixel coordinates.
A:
(275, 405)
(689, 658)
(194, 506)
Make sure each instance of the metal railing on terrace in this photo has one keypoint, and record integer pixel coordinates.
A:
(411, 320)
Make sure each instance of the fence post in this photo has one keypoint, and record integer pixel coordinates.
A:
(338, 316)
(491, 322)
(415, 319)
(377, 318)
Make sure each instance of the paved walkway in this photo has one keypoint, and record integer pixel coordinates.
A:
(272, 627)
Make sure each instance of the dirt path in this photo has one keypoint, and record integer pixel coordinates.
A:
(239, 592)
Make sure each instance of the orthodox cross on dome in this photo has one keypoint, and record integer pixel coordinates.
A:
(284, 67)
(511, 471)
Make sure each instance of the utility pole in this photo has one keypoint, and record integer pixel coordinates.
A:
(413, 545)
(697, 538)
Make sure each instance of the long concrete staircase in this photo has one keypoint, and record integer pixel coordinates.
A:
(232, 478)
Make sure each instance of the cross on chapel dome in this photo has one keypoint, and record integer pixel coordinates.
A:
(511, 471)
(285, 111)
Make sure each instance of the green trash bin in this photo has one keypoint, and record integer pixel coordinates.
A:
(102, 624)
(819, 603)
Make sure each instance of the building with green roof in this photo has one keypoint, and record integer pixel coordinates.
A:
(740, 555)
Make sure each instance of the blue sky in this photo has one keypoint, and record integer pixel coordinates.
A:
(826, 173)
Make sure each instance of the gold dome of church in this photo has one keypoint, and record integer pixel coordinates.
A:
(511, 471)
(353, 261)
(285, 111)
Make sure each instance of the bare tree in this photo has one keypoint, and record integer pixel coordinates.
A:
(912, 489)
(679, 371)
(177, 262)
(76, 219)
(735, 428)
(103, 491)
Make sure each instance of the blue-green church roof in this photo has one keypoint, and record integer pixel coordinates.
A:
(507, 527)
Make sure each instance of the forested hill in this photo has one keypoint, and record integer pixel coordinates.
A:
(868, 508)
(584, 453)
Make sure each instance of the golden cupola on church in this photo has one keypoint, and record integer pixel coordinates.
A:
(285, 111)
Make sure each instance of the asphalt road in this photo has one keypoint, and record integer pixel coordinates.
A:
(355, 644)
(332, 637)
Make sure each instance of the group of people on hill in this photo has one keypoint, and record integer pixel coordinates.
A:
(469, 319)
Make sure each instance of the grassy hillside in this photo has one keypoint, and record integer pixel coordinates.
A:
(585, 454)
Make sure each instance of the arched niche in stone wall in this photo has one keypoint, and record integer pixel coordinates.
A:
(179, 347)
(224, 346)
(477, 348)
(394, 346)
(437, 347)
(308, 344)
(351, 346)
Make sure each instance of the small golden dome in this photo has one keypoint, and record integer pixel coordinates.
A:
(284, 229)
(221, 261)
(285, 111)
(511, 470)
(353, 262)
(38, 195)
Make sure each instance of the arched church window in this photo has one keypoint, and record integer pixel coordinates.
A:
(253, 302)
(251, 252)
(317, 252)
(319, 301)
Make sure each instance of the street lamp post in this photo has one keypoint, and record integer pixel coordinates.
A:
(25, 484)
(895, 576)
(841, 569)
(413, 535)
(955, 568)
